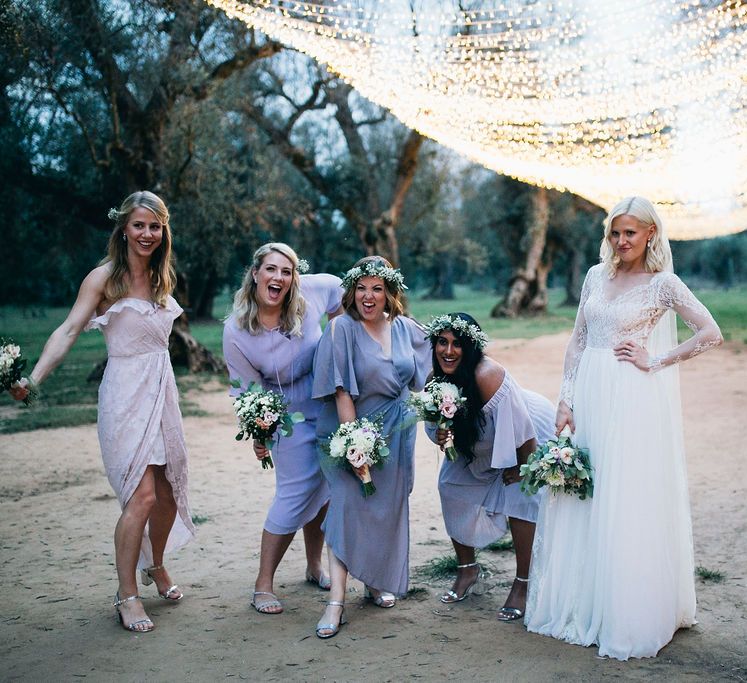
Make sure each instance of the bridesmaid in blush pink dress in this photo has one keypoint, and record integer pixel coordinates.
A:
(139, 425)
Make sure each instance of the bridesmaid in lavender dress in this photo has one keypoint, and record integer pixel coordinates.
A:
(139, 423)
(270, 338)
(366, 363)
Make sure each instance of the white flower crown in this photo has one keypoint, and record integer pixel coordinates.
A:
(462, 327)
(372, 269)
(303, 266)
(113, 214)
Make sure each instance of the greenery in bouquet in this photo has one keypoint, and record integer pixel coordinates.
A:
(358, 445)
(559, 464)
(262, 413)
(439, 402)
(12, 365)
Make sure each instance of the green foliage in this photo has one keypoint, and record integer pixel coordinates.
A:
(501, 545)
(437, 568)
(709, 575)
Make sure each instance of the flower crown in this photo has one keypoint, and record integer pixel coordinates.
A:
(373, 269)
(462, 327)
(113, 214)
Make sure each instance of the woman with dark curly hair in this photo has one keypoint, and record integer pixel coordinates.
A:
(493, 435)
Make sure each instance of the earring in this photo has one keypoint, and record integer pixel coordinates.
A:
(648, 244)
(124, 237)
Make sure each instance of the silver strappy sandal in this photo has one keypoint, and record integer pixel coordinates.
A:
(333, 628)
(512, 613)
(451, 596)
(132, 626)
(146, 579)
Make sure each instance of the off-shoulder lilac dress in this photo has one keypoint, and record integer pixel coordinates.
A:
(283, 364)
(371, 535)
(139, 421)
(616, 570)
(474, 500)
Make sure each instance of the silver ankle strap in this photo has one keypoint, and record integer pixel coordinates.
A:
(465, 566)
(518, 578)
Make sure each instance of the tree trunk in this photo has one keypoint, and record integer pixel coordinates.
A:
(443, 284)
(527, 281)
(573, 279)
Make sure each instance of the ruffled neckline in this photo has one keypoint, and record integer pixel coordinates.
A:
(142, 306)
(500, 393)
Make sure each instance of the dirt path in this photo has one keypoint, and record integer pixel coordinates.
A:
(57, 577)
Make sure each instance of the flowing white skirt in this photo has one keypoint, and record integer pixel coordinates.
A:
(616, 570)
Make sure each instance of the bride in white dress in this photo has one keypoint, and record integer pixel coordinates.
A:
(616, 570)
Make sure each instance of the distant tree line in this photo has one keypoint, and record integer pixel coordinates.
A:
(249, 141)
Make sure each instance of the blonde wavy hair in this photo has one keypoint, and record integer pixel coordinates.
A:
(162, 274)
(394, 305)
(246, 305)
(658, 252)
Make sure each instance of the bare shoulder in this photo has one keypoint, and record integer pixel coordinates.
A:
(489, 375)
(97, 278)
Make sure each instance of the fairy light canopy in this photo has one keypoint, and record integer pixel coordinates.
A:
(603, 98)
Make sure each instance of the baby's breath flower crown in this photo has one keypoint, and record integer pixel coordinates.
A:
(458, 325)
(372, 269)
(113, 214)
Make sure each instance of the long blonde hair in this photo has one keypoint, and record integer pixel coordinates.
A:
(246, 306)
(658, 252)
(162, 275)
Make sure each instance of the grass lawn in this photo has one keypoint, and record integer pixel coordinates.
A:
(67, 399)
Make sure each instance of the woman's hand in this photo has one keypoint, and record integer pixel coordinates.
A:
(563, 418)
(632, 353)
(20, 389)
(442, 436)
(511, 475)
(259, 450)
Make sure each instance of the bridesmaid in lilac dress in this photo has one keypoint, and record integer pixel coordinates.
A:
(500, 427)
(270, 338)
(366, 363)
(139, 424)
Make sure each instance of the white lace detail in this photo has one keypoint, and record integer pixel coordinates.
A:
(632, 316)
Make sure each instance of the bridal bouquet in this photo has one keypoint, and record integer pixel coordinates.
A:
(12, 365)
(439, 402)
(358, 445)
(561, 466)
(261, 413)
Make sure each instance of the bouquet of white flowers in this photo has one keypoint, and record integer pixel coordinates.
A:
(12, 365)
(439, 402)
(261, 413)
(561, 466)
(358, 445)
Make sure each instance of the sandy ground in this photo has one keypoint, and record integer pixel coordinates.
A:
(57, 577)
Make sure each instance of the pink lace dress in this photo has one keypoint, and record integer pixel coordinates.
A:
(616, 570)
(139, 421)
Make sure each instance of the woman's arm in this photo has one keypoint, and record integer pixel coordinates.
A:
(573, 353)
(90, 295)
(345, 406)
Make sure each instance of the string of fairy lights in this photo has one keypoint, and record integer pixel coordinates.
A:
(599, 97)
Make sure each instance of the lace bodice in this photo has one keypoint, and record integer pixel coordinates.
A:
(604, 321)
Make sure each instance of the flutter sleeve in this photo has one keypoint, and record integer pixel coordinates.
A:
(577, 342)
(513, 424)
(333, 361)
(674, 294)
(234, 353)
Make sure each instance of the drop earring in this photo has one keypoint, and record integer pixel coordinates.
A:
(124, 237)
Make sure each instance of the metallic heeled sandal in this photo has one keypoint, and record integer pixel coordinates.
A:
(334, 628)
(132, 626)
(385, 599)
(146, 579)
(324, 582)
(450, 596)
(512, 613)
